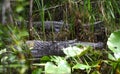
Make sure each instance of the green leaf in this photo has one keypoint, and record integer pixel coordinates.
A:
(3, 51)
(75, 51)
(111, 57)
(61, 68)
(37, 71)
(19, 8)
(114, 43)
(50, 68)
(23, 34)
(81, 66)
(45, 58)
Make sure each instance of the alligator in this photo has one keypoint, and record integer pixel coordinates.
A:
(59, 30)
(45, 48)
(42, 48)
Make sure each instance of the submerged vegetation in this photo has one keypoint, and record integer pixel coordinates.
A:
(60, 20)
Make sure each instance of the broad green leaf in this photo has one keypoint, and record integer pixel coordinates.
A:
(72, 51)
(111, 57)
(50, 68)
(114, 43)
(61, 68)
(75, 51)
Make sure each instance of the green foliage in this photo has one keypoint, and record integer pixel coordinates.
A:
(4, 37)
(14, 56)
(10, 35)
(19, 10)
(81, 66)
(72, 51)
(114, 43)
(41, 9)
(37, 71)
(12, 40)
(60, 67)
(75, 51)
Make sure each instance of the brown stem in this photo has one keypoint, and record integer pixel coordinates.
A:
(30, 21)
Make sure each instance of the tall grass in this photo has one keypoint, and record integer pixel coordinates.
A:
(40, 6)
(90, 11)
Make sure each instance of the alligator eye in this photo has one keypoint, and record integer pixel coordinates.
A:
(115, 47)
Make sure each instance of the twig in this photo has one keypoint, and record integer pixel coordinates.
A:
(30, 21)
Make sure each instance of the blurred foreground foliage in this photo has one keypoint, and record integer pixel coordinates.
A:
(14, 53)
